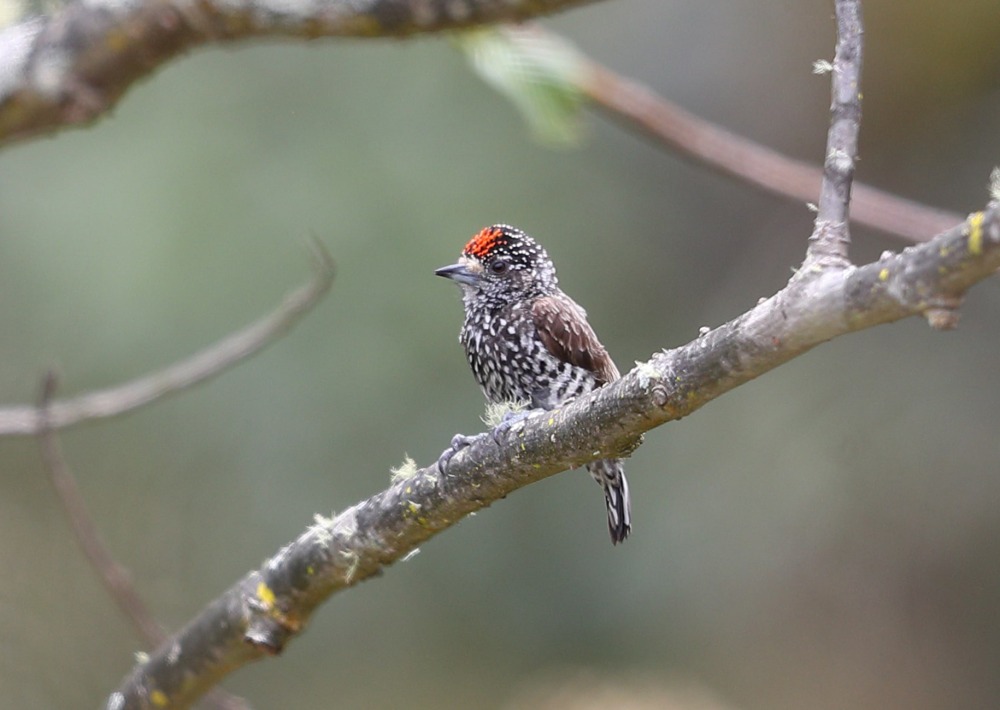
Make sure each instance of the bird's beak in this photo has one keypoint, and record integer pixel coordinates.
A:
(459, 273)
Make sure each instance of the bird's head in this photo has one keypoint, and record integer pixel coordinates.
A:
(503, 265)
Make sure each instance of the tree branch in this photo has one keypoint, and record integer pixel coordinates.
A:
(262, 612)
(202, 366)
(72, 67)
(831, 236)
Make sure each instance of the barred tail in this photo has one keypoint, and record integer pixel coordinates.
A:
(610, 475)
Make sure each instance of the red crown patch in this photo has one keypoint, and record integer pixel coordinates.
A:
(485, 242)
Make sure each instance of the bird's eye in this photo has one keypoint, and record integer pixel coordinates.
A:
(499, 266)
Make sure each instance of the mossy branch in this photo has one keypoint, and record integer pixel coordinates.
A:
(261, 613)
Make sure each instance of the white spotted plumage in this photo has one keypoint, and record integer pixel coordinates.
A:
(527, 341)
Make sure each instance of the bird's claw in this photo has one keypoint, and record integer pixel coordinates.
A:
(461, 441)
(458, 442)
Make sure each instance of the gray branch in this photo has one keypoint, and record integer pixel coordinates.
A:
(260, 614)
(831, 236)
(72, 67)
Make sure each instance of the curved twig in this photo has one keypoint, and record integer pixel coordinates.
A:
(115, 578)
(204, 365)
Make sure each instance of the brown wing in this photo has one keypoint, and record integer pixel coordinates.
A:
(562, 326)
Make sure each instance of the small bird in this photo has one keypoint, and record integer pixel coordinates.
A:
(527, 341)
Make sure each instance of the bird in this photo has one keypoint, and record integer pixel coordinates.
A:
(528, 342)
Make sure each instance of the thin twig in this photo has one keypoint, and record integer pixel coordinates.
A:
(831, 236)
(758, 165)
(210, 362)
(115, 578)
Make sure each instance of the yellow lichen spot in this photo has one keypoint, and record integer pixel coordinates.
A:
(976, 233)
(159, 698)
(552, 420)
(117, 41)
(413, 507)
(364, 26)
(883, 274)
(266, 595)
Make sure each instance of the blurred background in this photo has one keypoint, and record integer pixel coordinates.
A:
(824, 537)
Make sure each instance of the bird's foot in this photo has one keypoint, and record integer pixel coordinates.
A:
(458, 442)
(509, 419)
(461, 441)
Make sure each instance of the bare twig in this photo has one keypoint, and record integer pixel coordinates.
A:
(113, 576)
(260, 614)
(831, 237)
(210, 362)
(752, 162)
(70, 68)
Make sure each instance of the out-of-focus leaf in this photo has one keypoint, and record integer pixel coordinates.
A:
(537, 72)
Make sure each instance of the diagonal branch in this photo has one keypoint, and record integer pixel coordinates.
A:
(263, 611)
(202, 366)
(73, 67)
(548, 79)
(744, 159)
